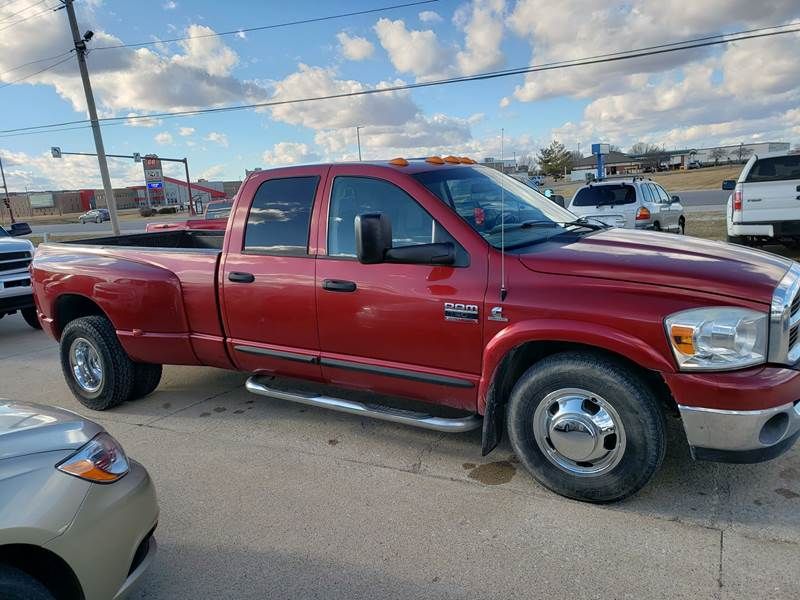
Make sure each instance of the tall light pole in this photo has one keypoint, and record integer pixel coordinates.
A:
(80, 50)
(8, 200)
(358, 137)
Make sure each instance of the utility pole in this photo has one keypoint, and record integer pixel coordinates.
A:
(188, 187)
(80, 50)
(8, 200)
(358, 137)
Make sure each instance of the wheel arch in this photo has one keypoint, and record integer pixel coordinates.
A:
(45, 566)
(68, 307)
(508, 356)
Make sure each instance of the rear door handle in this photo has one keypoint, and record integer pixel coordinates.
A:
(239, 277)
(339, 285)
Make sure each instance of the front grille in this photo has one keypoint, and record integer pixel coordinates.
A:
(784, 330)
(17, 283)
(14, 261)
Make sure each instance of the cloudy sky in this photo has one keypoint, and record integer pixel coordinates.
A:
(745, 91)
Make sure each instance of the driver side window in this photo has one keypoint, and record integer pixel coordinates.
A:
(353, 196)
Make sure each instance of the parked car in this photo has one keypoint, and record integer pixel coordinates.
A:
(634, 203)
(763, 207)
(451, 284)
(15, 280)
(76, 514)
(97, 215)
(215, 218)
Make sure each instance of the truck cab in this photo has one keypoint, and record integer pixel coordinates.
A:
(16, 255)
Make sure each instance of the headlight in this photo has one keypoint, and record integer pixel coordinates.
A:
(101, 460)
(718, 339)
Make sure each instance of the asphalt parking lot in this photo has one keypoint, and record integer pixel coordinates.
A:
(265, 499)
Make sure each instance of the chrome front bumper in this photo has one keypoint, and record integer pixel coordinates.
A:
(744, 436)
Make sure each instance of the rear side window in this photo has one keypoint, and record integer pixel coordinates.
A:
(779, 168)
(280, 216)
(601, 195)
(647, 193)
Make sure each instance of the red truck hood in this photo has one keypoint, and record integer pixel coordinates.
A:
(666, 260)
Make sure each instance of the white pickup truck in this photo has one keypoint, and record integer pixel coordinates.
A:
(765, 204)
(15, 278)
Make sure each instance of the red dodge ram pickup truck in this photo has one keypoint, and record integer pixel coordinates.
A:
(446, 283)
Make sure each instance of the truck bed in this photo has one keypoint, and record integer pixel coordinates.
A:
(180, 238)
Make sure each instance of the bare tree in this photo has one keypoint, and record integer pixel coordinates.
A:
(741, 153)
(651, 155)
(718, 154)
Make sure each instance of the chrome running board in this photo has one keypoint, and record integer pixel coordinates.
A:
(376, 411)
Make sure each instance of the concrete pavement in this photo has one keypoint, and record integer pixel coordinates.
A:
(266, 499)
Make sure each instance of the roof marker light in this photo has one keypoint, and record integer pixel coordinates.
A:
(435, 160)
(466, 160)
(399, 162)
(453, 160)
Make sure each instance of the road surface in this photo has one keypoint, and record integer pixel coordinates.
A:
(267, 499)
(126, 225)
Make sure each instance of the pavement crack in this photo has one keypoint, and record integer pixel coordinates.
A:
(416, 467)
(719, 574)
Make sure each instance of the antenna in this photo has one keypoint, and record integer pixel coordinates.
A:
(503, 290)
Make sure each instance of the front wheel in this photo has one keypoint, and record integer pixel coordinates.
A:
(29, 314)
(98, 220)
(97, 370)
(586, 427)
(18, 585)
(682, 226)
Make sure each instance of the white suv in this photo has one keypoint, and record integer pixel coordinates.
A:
(765, 204)
(631, 203)
(15, 280)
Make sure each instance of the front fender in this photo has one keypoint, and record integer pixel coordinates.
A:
(557, 330)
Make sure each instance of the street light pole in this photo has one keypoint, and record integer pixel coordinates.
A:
(358, 137)
(80, 50)
(189, 187)
(8, 200)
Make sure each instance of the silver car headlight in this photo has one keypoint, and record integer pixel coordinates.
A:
(718, 338)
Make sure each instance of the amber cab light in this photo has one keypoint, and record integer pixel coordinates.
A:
(435, 160)
(399, 162)
(642, 214)
(453, 160)
(466, 160)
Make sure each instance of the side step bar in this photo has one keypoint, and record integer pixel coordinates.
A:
(376, 411)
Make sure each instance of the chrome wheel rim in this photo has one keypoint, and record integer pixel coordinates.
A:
(86, 365)
(579, 432)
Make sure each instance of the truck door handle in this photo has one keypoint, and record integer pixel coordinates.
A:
(239, 277)
(339, 285)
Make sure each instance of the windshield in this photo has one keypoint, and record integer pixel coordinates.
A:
(221, 211)
(478, 193)
(605, 195)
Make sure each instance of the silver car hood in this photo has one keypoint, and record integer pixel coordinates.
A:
(29, 428)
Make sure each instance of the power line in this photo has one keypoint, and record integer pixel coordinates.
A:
(265, 27)
(591, 60)
(47, 10)
(19, 12)
(34, 62)
(53, 66)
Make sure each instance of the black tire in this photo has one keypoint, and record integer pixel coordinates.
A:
(656, 226)
(116, 381)
(98, 220)
(146, 378)
(616, 384)
(682, 226)
(29, 314)
(739, 239)
(18, 585)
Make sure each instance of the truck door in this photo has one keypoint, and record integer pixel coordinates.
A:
(267, 287)
(771, 190)
(399, 329)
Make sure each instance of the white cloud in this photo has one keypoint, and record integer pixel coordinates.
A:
(429, 16)
(171, 5)
(414, 51)
(483, 29)
(146, 122)
(217, 138)
(241, 35)
(390, 108)
(505, 101)
(185, 131)
(288, 153)
(354, 48)
(128, 80)
(163, 138)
